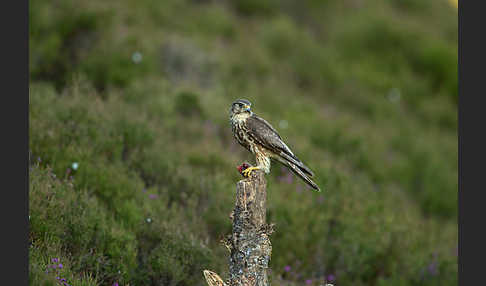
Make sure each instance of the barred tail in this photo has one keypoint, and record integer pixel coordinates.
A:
(297, 162)
(296, 170)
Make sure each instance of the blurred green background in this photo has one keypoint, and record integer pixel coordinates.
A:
(133, 164)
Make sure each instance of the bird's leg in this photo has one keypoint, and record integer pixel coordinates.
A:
(247, 172)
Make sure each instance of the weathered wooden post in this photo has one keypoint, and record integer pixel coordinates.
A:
(249, 243)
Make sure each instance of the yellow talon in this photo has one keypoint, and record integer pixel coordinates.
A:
(247, 172)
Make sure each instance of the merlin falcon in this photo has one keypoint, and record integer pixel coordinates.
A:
(261, 139)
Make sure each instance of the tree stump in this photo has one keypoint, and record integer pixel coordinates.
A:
(249, 244)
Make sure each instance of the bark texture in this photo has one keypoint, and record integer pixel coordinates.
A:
(249, 244)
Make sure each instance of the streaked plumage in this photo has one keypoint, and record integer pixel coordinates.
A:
(261, 139)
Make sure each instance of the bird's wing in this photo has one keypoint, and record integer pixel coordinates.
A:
(267, 136)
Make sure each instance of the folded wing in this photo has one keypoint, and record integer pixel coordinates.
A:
(265, 135)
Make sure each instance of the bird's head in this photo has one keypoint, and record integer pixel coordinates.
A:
(240, 106)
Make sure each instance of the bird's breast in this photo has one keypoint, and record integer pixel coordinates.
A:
(240, 132)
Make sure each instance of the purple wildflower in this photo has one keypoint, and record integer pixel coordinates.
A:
(308, 281)
(60, 265)
(286, 177)
(298, 188)
(152, 196)
(287, 268)
(331, 277)
(55, 260)
(289, 178)
(432, 268)
(58, 278)
(115, 284)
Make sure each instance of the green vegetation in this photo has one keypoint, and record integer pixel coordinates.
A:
(133, 164)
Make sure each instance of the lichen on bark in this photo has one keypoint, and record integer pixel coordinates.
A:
(249, 243)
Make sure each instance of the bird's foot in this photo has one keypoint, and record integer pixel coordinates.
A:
(247, 171)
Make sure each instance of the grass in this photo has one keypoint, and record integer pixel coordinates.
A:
(136, 96)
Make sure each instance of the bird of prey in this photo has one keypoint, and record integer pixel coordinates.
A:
(261, 139)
